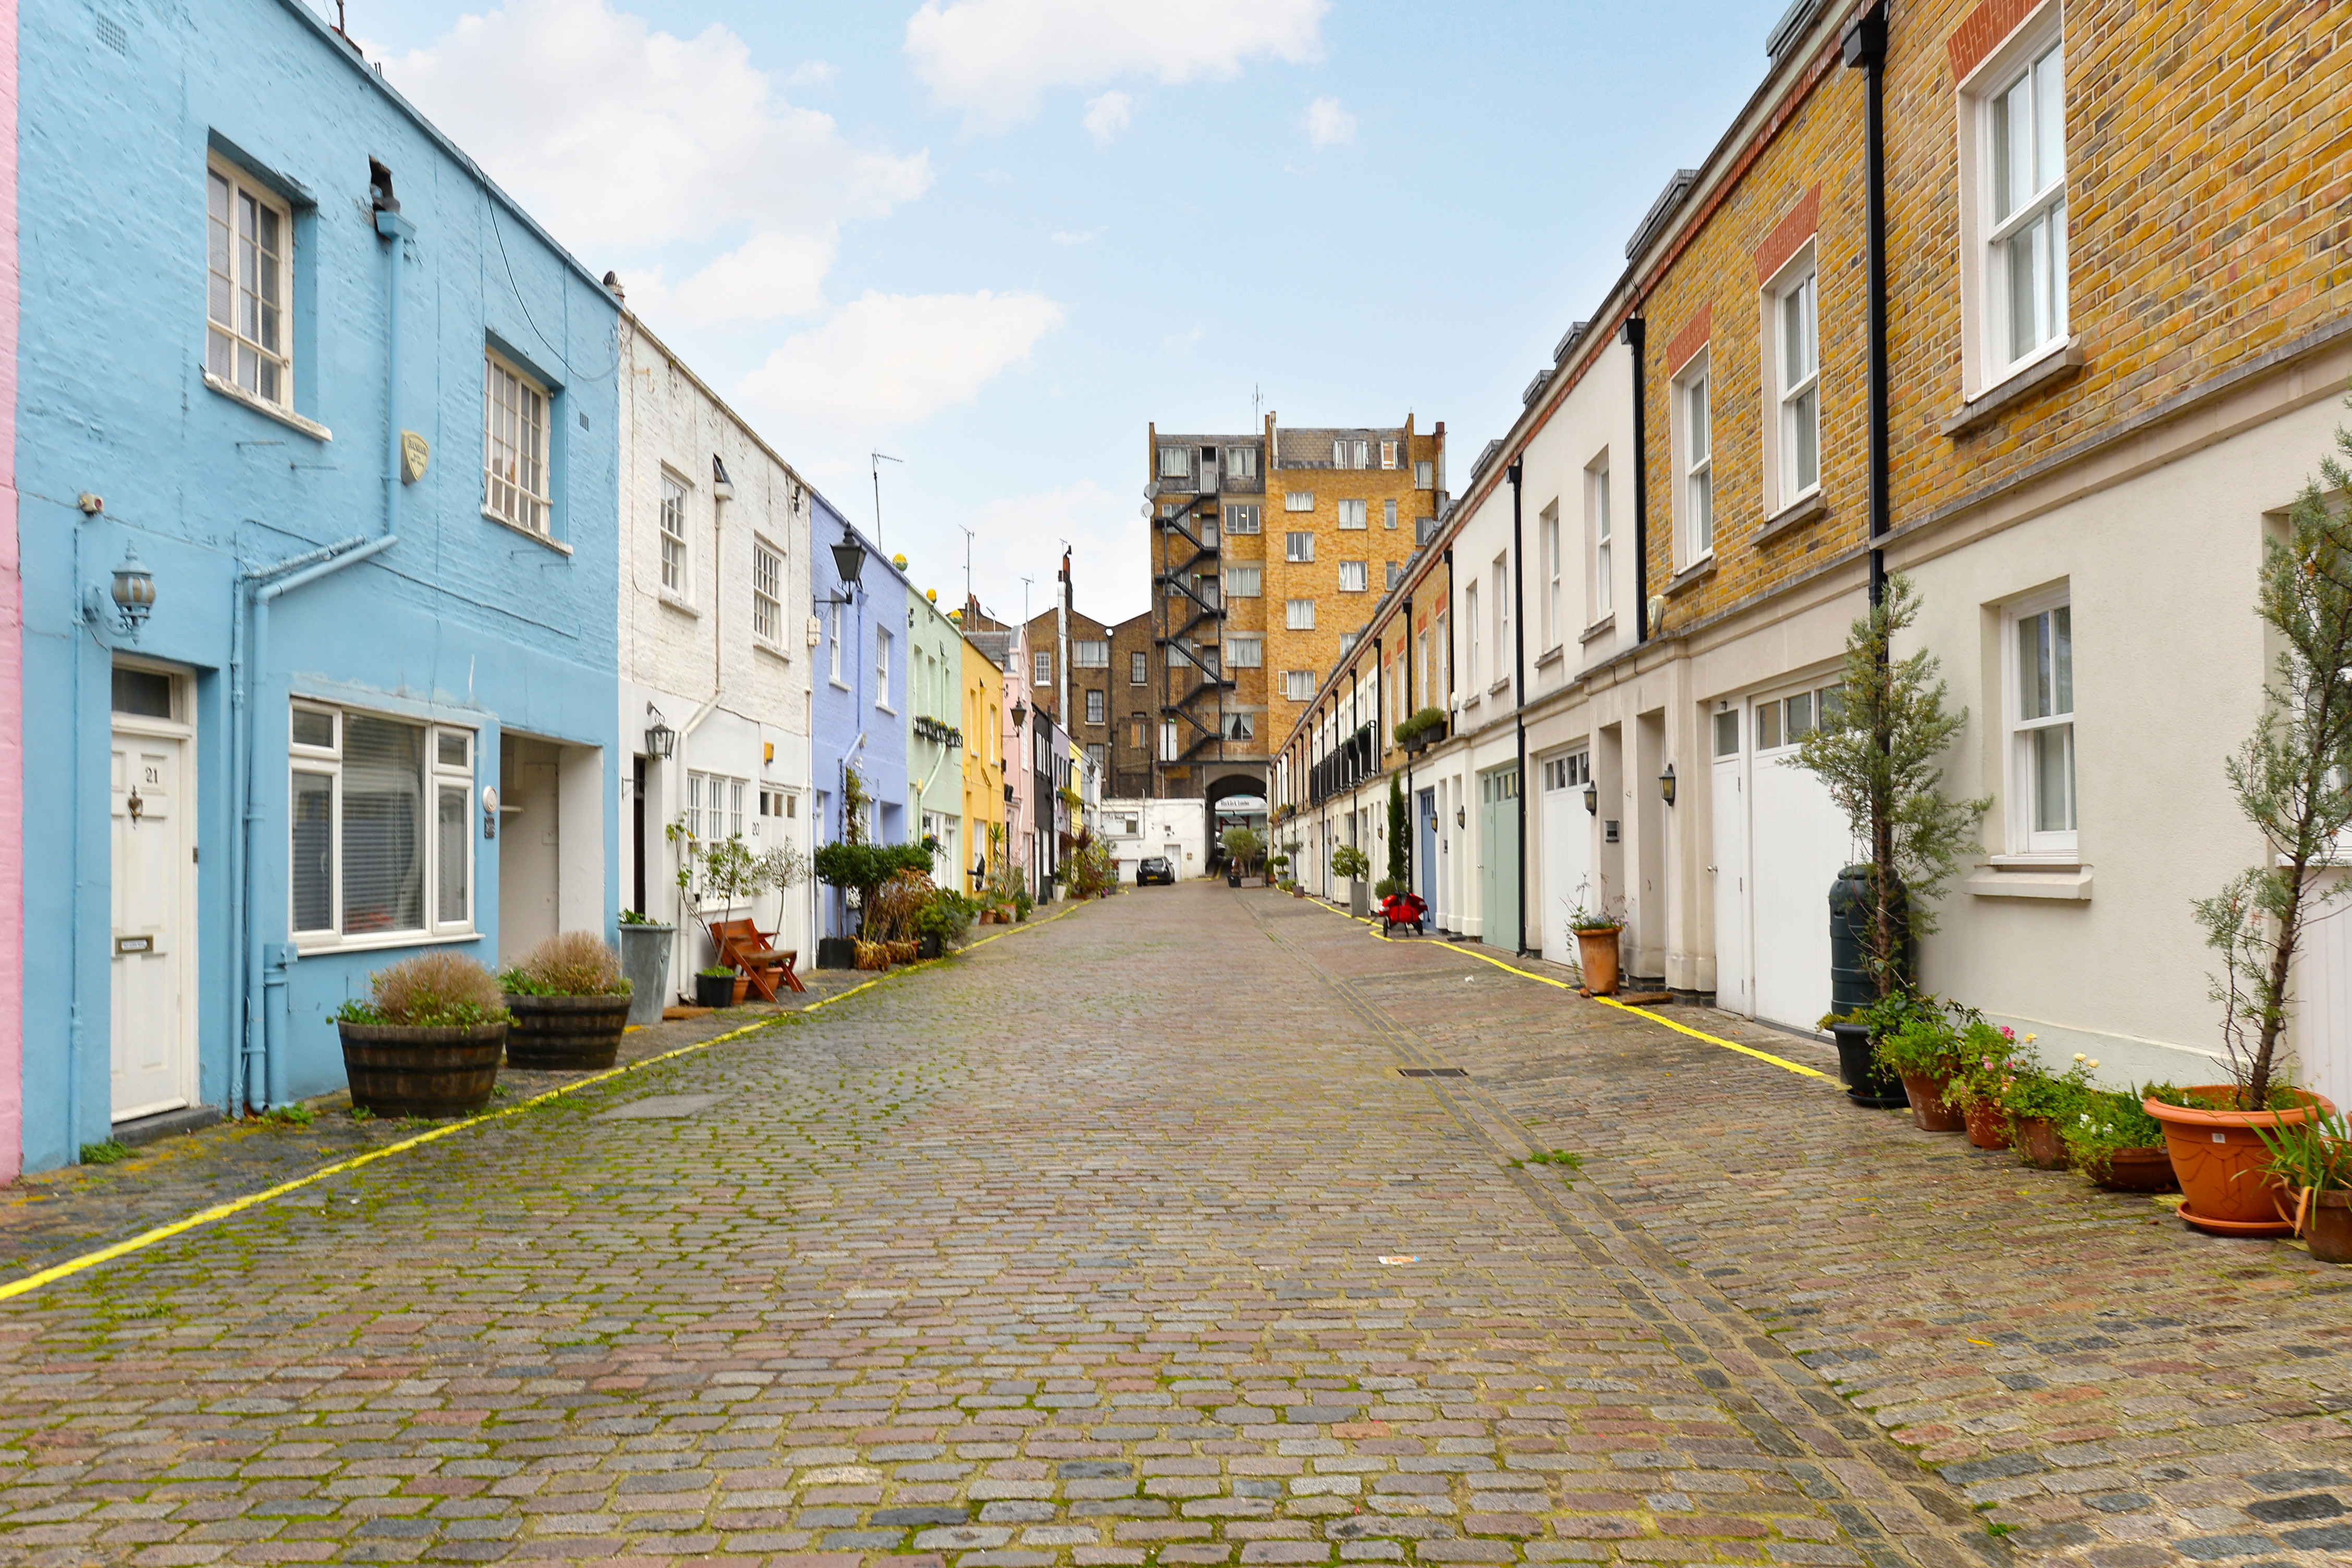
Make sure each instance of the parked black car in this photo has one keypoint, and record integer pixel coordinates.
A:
(1154, 868)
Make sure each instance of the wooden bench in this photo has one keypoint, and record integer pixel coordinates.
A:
(743, 946)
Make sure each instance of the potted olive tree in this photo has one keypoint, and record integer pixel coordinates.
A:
(1353, 864)
(427, 1040)
(569, 1002)
(1877, 751)
(2290, 782)
(1243, 847)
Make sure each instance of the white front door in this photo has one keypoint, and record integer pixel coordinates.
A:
(1734, 985)
(154, 992)
(1566, 853)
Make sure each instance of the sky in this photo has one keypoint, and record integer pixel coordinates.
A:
(994, 239)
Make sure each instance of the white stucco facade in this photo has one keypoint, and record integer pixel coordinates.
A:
(714, 642)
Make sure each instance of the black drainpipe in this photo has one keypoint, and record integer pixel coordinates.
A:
(1519, 698)
(1864, 46)
(1411, 806)
(1632, 338)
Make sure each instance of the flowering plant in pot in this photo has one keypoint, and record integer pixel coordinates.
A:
(569, 1002)
(2115, 1142)
(429, 1039)
(2313, 1160)
(1911, 1036)
(2039, 1104)
(1595, 932)
(2291, 784)
(1988, 1055)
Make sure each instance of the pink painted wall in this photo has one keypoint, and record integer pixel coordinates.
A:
(11, 645)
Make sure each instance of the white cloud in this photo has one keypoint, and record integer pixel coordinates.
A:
(813, 73)
(630, 144)
(1077, 237)
(1107, 563)
(889, 360)
(1328, 124)
(1107, 115)
(995, 58)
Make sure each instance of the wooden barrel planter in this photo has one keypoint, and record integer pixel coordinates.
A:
(398, 1070)
(569, 1034)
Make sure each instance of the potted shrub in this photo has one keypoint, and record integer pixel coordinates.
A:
(2117, 1144)
(1595, 933)
(428, 1040)
(1243, 847)
(570, 1003)
(2040, 1105)
(644, 959)
(714, 986)
(1987, 1064)
(2289, 783)
(2313, 1160)
(1353, 864)
(1417, 732)
(1912, 1038)
(1875, 751)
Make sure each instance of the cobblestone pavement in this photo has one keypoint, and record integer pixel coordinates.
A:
(1126, 1242)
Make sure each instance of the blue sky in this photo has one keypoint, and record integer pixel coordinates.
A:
(994, 238)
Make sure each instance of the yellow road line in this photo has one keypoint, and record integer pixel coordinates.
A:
(129, 1245)
(1678, 1029)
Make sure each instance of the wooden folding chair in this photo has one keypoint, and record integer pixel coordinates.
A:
(743, 945)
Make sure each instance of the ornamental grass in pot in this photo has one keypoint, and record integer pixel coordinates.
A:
(429, 1039)
(714, 986)
(2117, 1144)
(1912, 1038)
(2312, 1160)
(569, 1002)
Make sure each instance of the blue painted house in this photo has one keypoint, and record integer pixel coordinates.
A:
(860, 705)
(294, 370)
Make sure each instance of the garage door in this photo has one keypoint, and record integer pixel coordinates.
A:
(1798, 843)
(1566, 852)
(2321, 1031)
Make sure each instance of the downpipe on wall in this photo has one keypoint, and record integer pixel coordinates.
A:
(1520, 696)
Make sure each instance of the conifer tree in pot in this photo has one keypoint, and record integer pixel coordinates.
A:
(1877, 751)
(2291, 784)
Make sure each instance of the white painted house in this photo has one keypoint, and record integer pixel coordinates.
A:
(715, 638)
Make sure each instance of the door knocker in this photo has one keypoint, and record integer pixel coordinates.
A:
(135, 806)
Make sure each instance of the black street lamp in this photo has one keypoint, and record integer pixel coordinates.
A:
(660, 739)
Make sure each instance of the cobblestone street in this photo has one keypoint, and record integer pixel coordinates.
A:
(1126, 1240)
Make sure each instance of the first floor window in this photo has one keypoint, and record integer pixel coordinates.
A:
(1138, 671)
(1698, 468)
(767, 592)
(247, 231)
(1095, 712)
(881, 668)
(514, 447)
(1089, 655)
(382, 815)
(1298, 614)
(2025, 142)
(1800, 457)
(674, 578)
(2041, 744)
(1355, 576)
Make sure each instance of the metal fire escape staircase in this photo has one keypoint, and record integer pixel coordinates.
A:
(1176, 642)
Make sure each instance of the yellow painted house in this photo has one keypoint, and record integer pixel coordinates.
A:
(983, 759)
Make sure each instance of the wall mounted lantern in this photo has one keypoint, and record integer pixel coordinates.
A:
(134, 592)
(1020, 712)
(1592, 798)
(661, 741)
(1666, 785)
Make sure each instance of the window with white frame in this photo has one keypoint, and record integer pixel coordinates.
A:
(1470, 621)
(1241, 727)
(1097, 702)
(1547, 543)
(1298, 500)
(1388, 454)
(672, 515)
(514, 445)
(1425, 475)
(1244, 653)
(1420, 671)
(1388, 513)
(1355, 576)
(1783, 720)
(2042, 728)
(1241, 520)
(1168, 751)
(1347, 641)
(1298, 684)
(1600, 591)
(1353, 513)
(248, 234)
(1298, 614)
(1175, 463)
(1796, 352)
(1692, 393)
(834, 642)
(1502, 611)
(1245, 581)
(881, 666)
(1298, 547)
(1241, 462)
(1089, 655)
(767, 592)
(1395, 570)
(2022, 145)
(381, 837)
(1041, 667)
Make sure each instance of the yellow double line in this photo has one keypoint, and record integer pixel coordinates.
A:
(1678, 1029)
(147, 1238)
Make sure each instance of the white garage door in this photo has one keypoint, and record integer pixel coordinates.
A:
(2321, 1032)
(1566, 853)
(1798, 845)
(1734, 976)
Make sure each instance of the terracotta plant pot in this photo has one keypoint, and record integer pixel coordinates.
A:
(571, 1033)
(2135, 1171)
(394, 1070)
(2038, 1143)
(1596, 953)
(1930, 1111)
(2327, 1226)
(2219, 1161)
(1988, 1124)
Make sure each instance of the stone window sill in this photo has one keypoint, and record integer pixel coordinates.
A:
(1551, 655)
(266, 409)
(1804, 509)
(672, 602)
(1599, 628)
(1690, 577)
(541, 539)
(2042, 881)
(2054, 368)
